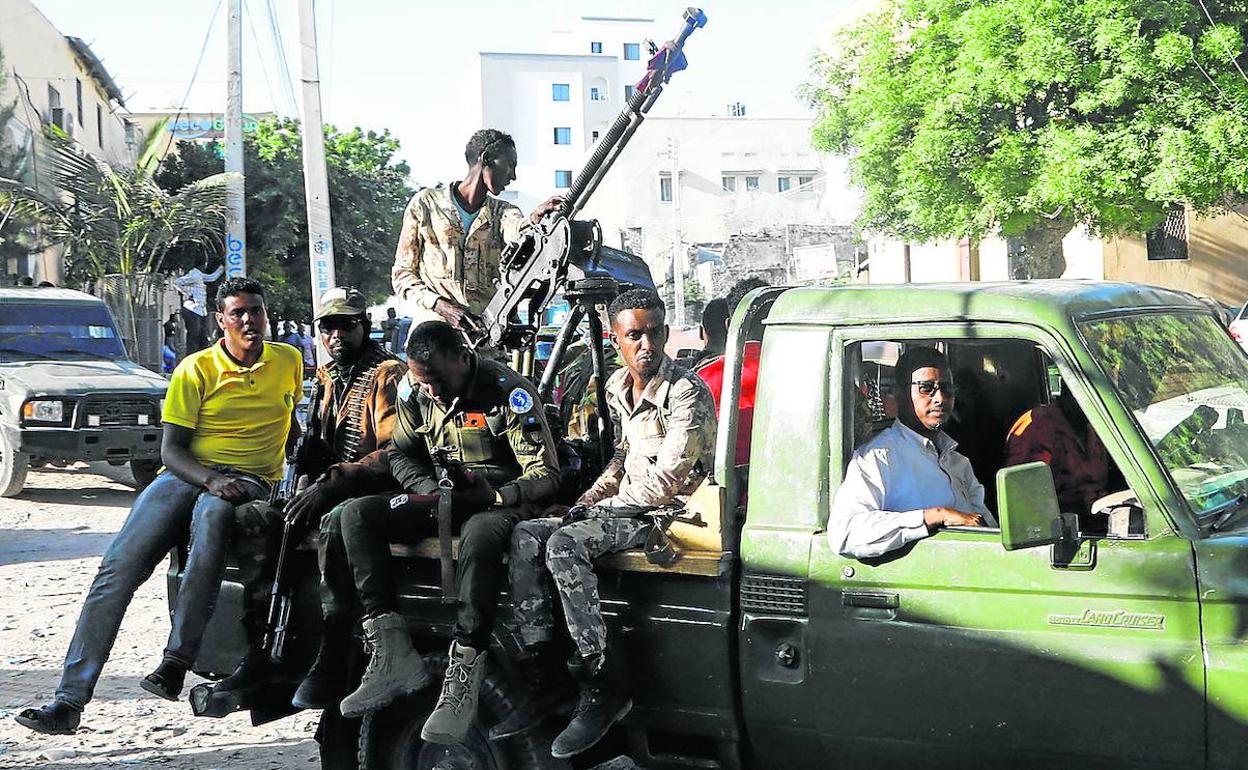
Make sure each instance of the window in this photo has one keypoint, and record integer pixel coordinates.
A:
(751, 184)
(594, 136)
(665, 189)
(730, 184)
(56, 113)
(78, 92)
(804, 182)
(99, 125)
(560, 92)
(595, 47)
(783, 183)
(595, 94)
(563, 135)
(1169, 239)
(632, 51)
(563, 179)
(629, 91)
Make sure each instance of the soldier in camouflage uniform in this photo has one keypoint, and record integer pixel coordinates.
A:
(492, 421)
(664, 449)
(351, 430)
(446, 263)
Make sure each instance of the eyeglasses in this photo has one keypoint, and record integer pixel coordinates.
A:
(929, 387)
(338, 324)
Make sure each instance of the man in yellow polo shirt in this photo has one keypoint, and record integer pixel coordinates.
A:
(228, 418)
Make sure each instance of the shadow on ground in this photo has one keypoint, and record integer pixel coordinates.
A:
(22, 546)
(34, 687)
(269, 754)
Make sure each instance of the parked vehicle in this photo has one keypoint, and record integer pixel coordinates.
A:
(68, 391)
(1109, 637)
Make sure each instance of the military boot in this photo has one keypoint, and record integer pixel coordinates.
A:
(457, 705)
(234, 693)
(326, 682)
(545, 692)
(394, 669)
(599, 706)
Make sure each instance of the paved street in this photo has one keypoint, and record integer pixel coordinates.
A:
(51, 539)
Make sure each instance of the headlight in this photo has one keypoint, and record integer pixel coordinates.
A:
(44, 411)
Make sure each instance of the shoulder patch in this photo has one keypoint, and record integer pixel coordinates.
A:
(405, 389)
(520, 401)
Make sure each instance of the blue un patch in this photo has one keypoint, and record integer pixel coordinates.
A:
(520, 400)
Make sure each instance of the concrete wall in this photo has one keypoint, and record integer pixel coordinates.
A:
(1217, 263)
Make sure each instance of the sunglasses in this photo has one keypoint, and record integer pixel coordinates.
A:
(338, 324)
(929, 387)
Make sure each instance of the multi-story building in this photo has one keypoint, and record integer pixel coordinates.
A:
(556, 104)
(51, 78)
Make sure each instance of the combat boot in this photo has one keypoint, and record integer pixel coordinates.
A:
(457, 705)
(598, 707)
(326, 682)
(234, 693)
(394, 669)
(546, 691)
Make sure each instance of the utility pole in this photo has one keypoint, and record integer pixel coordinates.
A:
(678, 257)
(236, 215)
(316, 182)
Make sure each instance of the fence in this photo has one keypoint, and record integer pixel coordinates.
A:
(140, 304)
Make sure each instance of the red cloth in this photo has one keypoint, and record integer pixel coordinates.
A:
(1081, 474)
(712, 373)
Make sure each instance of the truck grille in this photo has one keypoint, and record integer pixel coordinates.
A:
(772, 595)
(98, 412)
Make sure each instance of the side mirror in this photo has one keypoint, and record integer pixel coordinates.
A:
(1027, 506)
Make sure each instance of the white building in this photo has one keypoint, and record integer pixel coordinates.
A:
(55, 79)
(557, 103)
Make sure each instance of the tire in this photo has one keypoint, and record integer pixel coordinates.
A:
(14, 466)
(144, 472)
(390, 738)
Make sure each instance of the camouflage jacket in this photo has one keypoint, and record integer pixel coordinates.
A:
(664, 445)
(435, 258)
(497, 428)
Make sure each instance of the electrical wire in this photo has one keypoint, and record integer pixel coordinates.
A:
(268, 85)
(1213, 24)
(283, 64)
(194, 74)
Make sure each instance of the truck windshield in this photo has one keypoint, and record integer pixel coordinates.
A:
(1186, 381)
(57, 332)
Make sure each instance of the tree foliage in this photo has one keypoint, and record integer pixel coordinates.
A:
(367, 195)
(965, 118)
(114, 220)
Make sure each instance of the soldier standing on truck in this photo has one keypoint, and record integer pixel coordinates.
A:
(488, 418)
(665, 443)
(355, 410)
(909, 481)
(228, 417)
(447, 259)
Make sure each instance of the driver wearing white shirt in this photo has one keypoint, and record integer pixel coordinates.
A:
(908, 481)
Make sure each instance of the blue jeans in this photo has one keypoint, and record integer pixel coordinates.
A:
(157, 523)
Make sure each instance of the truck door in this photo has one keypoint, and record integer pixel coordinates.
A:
(953, 649)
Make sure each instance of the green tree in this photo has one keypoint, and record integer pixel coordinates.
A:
(112, 220)
(368, 192)
(964, 118)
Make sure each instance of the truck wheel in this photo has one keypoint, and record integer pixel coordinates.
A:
(144, 472)
(13, 468)
(390, 738)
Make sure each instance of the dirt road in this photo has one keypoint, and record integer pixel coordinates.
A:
(51, 539)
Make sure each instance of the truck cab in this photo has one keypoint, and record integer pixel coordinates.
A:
(68, 391)
(1112, 636)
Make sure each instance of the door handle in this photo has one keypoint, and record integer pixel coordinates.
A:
(877, 600)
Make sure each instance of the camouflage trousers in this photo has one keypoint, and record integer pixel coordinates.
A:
(567, 552)
(257, 540)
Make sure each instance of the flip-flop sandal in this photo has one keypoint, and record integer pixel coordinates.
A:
(53, 719)
(157, 685)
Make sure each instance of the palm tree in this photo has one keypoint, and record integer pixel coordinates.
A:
(112, 220)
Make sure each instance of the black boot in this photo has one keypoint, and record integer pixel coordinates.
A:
(326, 683)
(599, 706)
(546, 691)
(166, 681)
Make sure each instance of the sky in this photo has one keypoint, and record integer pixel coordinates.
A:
(411, 66)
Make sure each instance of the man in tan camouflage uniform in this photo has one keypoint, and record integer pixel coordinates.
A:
(446, 264)
(665, 440)
(493, 423)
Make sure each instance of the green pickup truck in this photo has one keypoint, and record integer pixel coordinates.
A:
(1116, 636)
